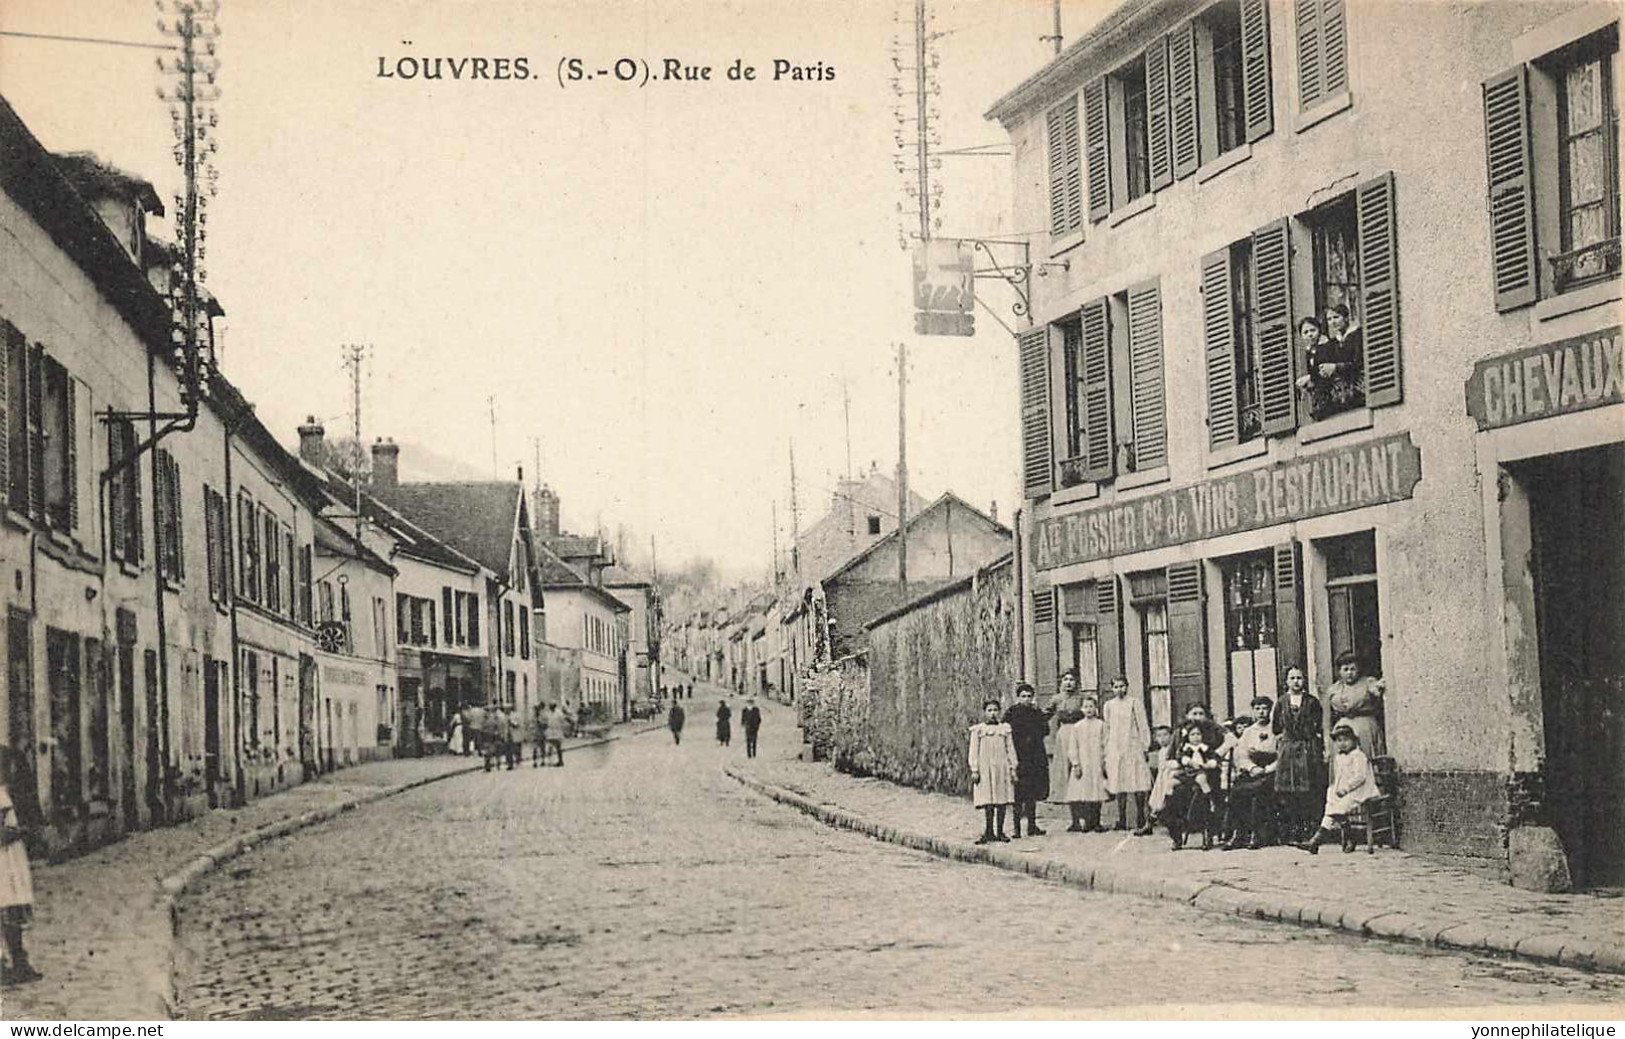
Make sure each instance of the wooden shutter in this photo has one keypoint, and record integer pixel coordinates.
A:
(1333, 48)
(1311, 66)
(1156, 108)
(1272, 327)
(1146, 394)
(1185, 140)
(1037, 451)
(1065, 168)
(473, 620)
(1045, 640)
(180, 520)
(8, 335)
(1097, 149)
(1187, 637)
(1289, 640)
(1096, 440)
(1379, 289)
(136, 543)
(447, 615)
(161, 498)
(1219, 331)
(211, 541)
(1510, 166)
(70, 455)
(1257, 103)
(1108, 630)
(117, 535)
(36, 432)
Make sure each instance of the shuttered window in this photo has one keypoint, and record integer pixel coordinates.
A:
(524, 632)
(1157, 133)
(1182, 100)
(1509, 161)
(1065, 168)
(1322, 51)
(1272, 328)
(1257, 102)
(1097, 149)
(474, 621)
(1037, 459)
(1045, 644)
(1094, 387)
(168, 537)
(10, 396)
(58, 450)
(36, 432)
(1146, 392)
(1218, 331)
(1187, 637)
(1108, 632)
(306, 566)
(448, 614)
(1379, 289)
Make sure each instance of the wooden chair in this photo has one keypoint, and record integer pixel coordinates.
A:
(1377, 818)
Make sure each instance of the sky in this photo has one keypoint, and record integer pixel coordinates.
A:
(664, 286)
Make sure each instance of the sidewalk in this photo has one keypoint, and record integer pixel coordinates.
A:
(1392, 894)
(103, 932)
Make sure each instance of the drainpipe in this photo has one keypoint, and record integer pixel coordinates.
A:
(1021, 600)
(158, 584)
(229, 591)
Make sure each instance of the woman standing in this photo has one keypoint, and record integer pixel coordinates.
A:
(992, 771)
(1028, 727)
(724, 723)
(1356, 698)
(1300, 773)
(1127, 737)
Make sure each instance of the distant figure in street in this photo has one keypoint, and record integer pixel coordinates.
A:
(538, 736)
(1029, 725)
(16, 888)
(1083, 748)
(473, 728)
(555, 733)
(455, 735)
(491, 737)
(1352, 785)
(674, 722)
(992, 771)
(751, 719)
(514, 738)
(724, 724)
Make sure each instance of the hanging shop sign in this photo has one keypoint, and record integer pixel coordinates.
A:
(1541, 381)
(944, 288)
(1372, 473)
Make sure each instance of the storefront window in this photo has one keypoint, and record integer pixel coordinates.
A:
(1249, 624)
(1086, 657)
(1159, 687)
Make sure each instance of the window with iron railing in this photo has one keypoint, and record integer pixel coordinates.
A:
(1588, 163)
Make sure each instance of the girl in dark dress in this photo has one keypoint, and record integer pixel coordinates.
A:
(1300, 771)
(1028, 727)
(724, 723)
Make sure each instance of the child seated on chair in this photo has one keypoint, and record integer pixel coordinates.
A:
(1352, 785)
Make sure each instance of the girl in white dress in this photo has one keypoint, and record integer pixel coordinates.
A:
(1083, 745)
(16, 894)
(992, 771)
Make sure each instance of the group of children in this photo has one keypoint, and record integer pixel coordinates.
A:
(1222, 782)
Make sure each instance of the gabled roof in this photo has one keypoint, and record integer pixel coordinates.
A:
(92, 177)
(555, 572)
(476, 518)
(948, 498)
(332, 541)
(410, 539)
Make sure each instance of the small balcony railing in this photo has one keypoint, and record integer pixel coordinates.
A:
(1587, 264)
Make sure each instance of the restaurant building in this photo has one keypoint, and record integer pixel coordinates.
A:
(1217, 492)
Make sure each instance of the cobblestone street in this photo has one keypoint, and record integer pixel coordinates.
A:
(641, 882)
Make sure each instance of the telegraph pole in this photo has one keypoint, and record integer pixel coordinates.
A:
(922, 146)
(354, 354)
(491, 402)
(846, 409)
(902, 461)
(775, 545)
(795, 518)
(1055, 38)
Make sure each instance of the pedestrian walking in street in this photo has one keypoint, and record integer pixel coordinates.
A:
(491, 737)
(674, 721)
(555, 733)
(1067, 704)
(1352, 785)
(992, 771)
(1083, 748)
(1127, 737)
(751, 719)
(473, 729)
(538, 736)
(455, 736)
(514, 743)
(1029, 725)
(724, 723)
(1357, 698)
(1300, 775)
(16, 887)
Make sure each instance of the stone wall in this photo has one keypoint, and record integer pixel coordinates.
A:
(901, 710)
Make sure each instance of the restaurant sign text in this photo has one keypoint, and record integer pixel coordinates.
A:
(1541, 381)
(1353, 477)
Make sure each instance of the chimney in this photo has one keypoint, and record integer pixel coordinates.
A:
(310, 442)
(993, 510)
(547, 513)
(385, 465)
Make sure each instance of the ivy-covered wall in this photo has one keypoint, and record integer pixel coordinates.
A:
(901, 710)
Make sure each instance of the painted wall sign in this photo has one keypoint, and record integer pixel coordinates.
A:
(1353, 477)
(1541, 381)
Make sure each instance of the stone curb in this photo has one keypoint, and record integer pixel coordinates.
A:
(171, 887)
(1540, 946)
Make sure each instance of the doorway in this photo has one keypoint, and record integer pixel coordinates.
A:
(23, 764)
(1577, 522)
(126, 721)
(211, 729)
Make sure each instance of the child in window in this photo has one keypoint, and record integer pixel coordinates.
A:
(992, 771)
(16, 891)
